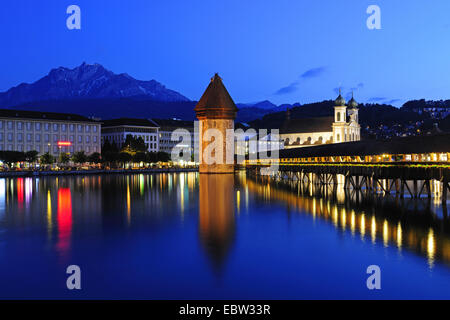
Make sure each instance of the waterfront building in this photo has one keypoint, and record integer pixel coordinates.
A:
(116, 131)
(167, 127)
(342, 127)
(48, 132)
(216, 111)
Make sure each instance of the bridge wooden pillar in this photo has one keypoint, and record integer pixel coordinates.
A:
(428, 186)
(402, 188)
(415, 189)
(397, 187)
(444, 191)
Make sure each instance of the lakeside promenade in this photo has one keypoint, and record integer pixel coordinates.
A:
(36, 173)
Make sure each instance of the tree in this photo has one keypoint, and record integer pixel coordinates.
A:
(124, 158)
(31, 156)
(163, 156)
(95, 157)
(110, 153)
(64, 158)
(133, 145)
(79, 157)
(151, 157)
(47, 158)
(139, 157)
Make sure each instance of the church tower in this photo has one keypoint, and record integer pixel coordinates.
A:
(216, 111)
(340, 120)
(354, 126)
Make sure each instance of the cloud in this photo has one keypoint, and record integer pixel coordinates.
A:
(359, 86)
(393, 101)
(312, 73)
(287, 90)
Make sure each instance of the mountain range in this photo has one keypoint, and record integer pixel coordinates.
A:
(93, 91)
(87, 81)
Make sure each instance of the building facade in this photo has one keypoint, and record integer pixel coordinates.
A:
(116, 131)
(50, 132)
(167, 127)
(342, 127)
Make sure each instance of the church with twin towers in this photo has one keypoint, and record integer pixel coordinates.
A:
(343, 126)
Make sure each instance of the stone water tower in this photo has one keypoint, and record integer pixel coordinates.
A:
(217, 111)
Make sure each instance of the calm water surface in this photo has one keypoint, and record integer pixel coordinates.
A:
(190, 236)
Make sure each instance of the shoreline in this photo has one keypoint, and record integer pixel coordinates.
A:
(18, 174)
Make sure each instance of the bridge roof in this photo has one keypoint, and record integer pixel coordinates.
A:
(307, 125)
(407, 145)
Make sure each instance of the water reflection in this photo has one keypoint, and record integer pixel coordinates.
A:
(216, 215)
(116, 204)
(402, 223)
(64, 221)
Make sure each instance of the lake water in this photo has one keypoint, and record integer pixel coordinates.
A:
(191, 236)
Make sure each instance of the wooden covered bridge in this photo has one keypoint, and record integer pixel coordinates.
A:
(402, 165)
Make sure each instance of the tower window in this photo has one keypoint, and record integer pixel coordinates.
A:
(338, 116)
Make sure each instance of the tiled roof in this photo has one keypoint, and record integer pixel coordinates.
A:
(129, 122)
(39, 115)
(216, 102)
(407, 145)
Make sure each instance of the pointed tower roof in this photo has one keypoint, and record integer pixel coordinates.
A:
(352, 103)
(216, 102)
(340, 101)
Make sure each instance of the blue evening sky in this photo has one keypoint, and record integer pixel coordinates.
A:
(283, 50)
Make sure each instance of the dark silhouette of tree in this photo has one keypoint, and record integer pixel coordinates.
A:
(47, 158)
(95, 157)
(31, 156)
(124, 158)
(139, 157)
(151, 157)
(64, 158)
(79, 157)
(163, 156)
(134, 144)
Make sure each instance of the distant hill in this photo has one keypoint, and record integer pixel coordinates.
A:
(417, 105)
(369, 114)
(87, 81)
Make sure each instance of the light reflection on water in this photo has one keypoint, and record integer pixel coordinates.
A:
(214, 218)
(419, 217)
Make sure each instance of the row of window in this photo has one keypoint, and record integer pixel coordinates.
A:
(349, 137)
(122, 138)
(37, 138)
(19, 125)
(47, 148)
